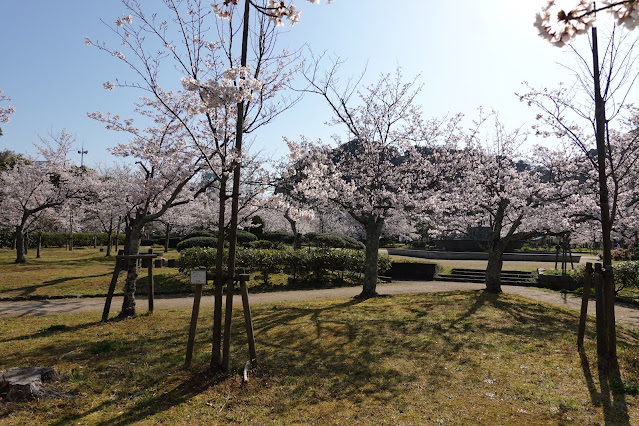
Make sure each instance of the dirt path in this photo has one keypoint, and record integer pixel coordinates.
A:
(624, 314)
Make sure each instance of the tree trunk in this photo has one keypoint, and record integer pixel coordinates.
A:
(493, 269)
(297, 240)
(19, 238)
(117, 234)
(109, 237)
(132, 247)
(70, 231)
(219, 279)
(166, 239)
(39, 246)
(373, 233)
(26, 242)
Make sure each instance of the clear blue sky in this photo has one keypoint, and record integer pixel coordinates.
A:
(469, 53)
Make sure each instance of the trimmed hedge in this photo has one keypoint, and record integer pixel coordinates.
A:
(333, 240)
(318, 265)
(279, 237)
(197, 242)
(59, 239)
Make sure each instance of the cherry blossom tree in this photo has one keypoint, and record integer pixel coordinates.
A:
(105, 205)
(32, 186)
(379, 170)
(224, 95)
(559, 23)
(166, 165)
(512, 199)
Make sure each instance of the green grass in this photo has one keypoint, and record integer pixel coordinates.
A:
(82, 271)
(88, 272)
(446, 358)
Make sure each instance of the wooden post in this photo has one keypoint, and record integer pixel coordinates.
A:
(247, 319)
(609, 309)
(228, 315)
(151, 284)
(601, 325)
(192, 329)
(584, 305)
(114, 281)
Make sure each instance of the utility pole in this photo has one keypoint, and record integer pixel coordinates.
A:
(82, 152)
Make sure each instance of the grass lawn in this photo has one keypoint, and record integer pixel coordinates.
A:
(86, 271)
(445, 358)
(81, 271)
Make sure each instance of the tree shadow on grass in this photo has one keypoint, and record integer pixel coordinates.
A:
(611, 396)
(354, 351)
(189, 388)
(30, 289)
(55, 329)
(535, 321)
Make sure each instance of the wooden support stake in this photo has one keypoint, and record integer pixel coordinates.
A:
(609, 307)
(114, 281)
(584, 305)
(193, 328)
(247, 319)
(228, 315)
(151, 284)
(601, 324)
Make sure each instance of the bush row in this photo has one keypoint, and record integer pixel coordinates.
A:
(59, 239)
(317, 265)
(626, 275)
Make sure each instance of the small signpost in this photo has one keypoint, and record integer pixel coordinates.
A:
(199, 279)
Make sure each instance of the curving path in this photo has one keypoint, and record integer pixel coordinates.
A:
(626, 315)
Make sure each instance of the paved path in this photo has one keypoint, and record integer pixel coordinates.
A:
(624, 314)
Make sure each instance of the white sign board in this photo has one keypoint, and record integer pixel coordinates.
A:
(198, 276)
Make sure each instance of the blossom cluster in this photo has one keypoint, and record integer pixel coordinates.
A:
(236, 85)
(276, 10)
(560, 21)
(124, 19)
(5, 111)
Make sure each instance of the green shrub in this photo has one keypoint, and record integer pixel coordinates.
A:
(302, 265)
(197, 242)
(279, 237)
(333, 240)
(263, 244)
(194, 257)
(626, 275)
(245, 237)
(200, 233)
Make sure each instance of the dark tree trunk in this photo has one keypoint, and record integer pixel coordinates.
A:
(297, 240)
(219, 279)
(19, 238)
(493, 269)
(70, 231)
(117, 234)
(39, 246)
(26, 242)
(166, 239)
(373, 233)
(131, 247)
(109, 237)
